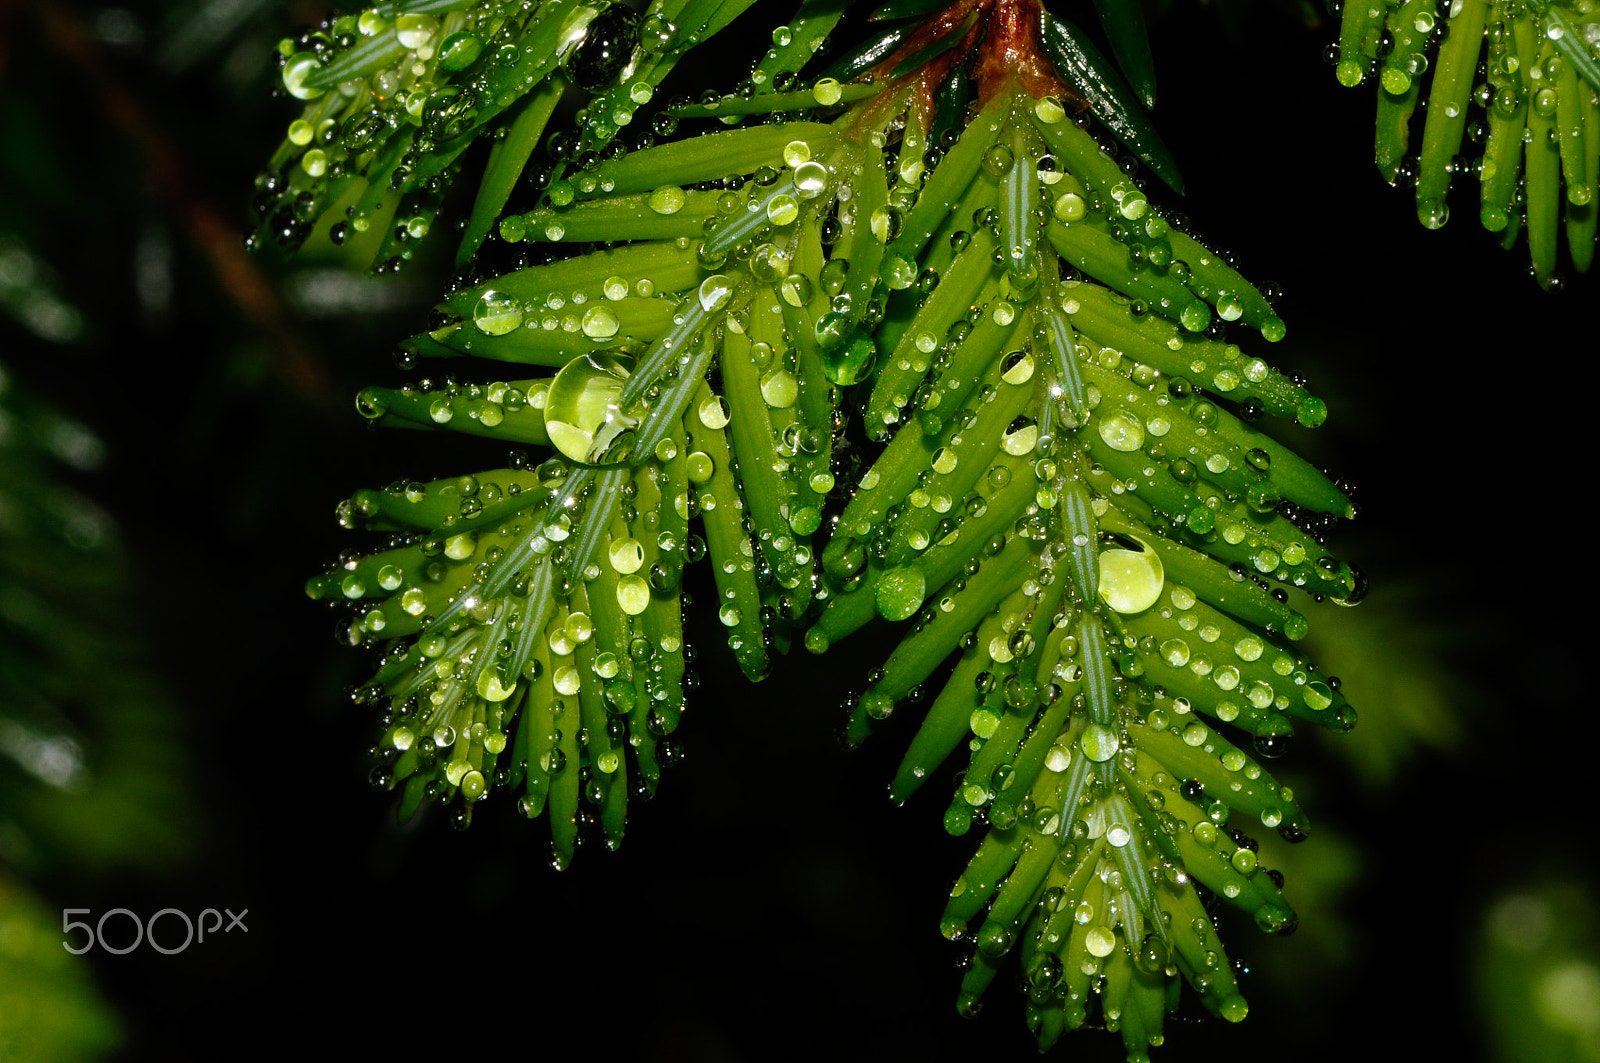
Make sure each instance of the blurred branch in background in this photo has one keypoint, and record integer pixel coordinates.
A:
(49, 1009)
(237, 275)
(92, 762)
(1538, 972)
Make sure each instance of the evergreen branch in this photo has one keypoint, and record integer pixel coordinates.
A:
(1534, 114)
(1072, 501)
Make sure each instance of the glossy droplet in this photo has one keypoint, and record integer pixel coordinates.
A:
(295, 72)
(1098, 743)
(715, 291)
(599, 323)
(700, 467)
(1099, 941)
(496, 314)
(783, 210)
(900, 592)
(1020, 437)
(633, 594)
(491, 689)
(886, 223)
(582, 412)
(780, 389)
(1017, 367)
(668, 199)
(608, 41)
(1069, 207)
(998, 160)
(1122, 431)
(459, 51)
(810, 178)
(1131, 580)
(627, 555)
(796, 289)
(714, 412)
(415, 31)
(899, 272)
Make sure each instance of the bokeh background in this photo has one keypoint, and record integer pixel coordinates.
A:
(176, 425)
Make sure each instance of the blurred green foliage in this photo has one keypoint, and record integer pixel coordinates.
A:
(1537, 972)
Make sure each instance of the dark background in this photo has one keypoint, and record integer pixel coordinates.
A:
(770, 904)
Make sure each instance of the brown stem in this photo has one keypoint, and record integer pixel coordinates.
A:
(1012, 53)
(1007, 36)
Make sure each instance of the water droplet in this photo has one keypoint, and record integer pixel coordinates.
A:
(668, 199)
(301, 66)
(810, 179)
(715, 292)
(633, 594)
(1122, 431)
(900, 592)
(714, 412)
(780, 389)
(1099, 941)
(1098, 743)
(1131, 580)
(1017, 367)
(1021, 437)
(415, 31)
(496, 314)
(783, 210)
(998, 160)
(599, 323)
(490, 687)
(459, 51)
(582, 412)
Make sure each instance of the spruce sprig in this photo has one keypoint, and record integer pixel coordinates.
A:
(1513, 84)
(1072, 497)
(396, 95)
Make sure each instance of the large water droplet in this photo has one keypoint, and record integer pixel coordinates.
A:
(1131, 580)
(668, 199)
(900, 592)
(1122, 431)
(497, 314)
(583, 413)
(415, 31)
(715, 291)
